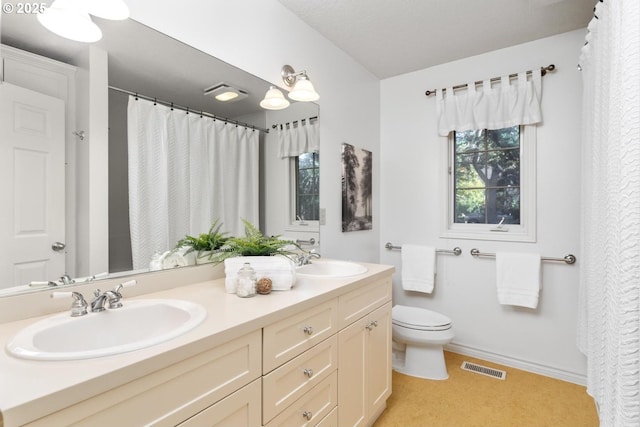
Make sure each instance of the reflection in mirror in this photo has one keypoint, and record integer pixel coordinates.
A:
(80, 225)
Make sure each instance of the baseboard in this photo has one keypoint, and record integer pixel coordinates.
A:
(524, 365)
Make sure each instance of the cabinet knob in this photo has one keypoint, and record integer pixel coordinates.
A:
(308, 372)
(307, 415)
(308, 330)
(371, 325)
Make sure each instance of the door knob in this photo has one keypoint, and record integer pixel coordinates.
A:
(58, 246)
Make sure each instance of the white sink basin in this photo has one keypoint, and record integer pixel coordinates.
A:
(138, 324)
(331, 268)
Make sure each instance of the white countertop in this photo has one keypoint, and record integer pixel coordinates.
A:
(32, 389)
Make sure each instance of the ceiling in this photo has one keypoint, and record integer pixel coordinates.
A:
(393, 37)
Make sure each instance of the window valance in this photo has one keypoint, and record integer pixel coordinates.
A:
(296, 140)
(510, 103)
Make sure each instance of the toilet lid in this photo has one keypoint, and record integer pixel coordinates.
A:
(419, 318)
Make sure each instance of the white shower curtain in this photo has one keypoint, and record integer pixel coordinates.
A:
(609, 329)
(185, 171)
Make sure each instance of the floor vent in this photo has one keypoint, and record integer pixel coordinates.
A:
(483, 370)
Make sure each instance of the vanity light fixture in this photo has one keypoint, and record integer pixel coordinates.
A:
(70, 18)
(274, 100)
(302, 88)
(65, 18)
(225, 93)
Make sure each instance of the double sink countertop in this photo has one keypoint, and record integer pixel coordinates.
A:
(33, 389)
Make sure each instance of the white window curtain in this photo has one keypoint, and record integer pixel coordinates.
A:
(185, 171)
(510, 103)
(609, 324)
(295, 140)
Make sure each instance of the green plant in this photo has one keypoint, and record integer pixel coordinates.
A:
(211, 241)
(254, 243)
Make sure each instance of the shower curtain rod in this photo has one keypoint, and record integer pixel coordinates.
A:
(544, 70)
(188, 110)
(292, 123)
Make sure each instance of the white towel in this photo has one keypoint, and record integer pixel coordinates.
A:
(518, 279)
(418, 268)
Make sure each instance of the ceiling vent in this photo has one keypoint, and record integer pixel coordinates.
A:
(224, 92)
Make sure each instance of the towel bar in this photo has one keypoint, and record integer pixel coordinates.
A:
(455, 251)
(311, 241)
(569, 259)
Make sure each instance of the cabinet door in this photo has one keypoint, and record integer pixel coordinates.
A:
(352, 352)
(239, 409)
(364, 368)
(378, 359)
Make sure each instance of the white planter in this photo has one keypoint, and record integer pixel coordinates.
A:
(280, 269)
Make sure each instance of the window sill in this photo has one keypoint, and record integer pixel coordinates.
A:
(479, 232)
(310, 226)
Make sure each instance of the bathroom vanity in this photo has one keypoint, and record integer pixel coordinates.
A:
(317, 355)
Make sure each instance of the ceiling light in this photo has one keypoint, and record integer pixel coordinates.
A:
(225, 93)
(274, 100)
(302, 90)
(65, 19)
(107, 9)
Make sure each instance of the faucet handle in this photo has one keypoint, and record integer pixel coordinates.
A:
(79, 305)
(126, 284)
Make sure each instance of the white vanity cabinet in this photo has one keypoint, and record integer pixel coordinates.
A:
(318, 358)
(350, 367)
(364, 377)
(172, 395)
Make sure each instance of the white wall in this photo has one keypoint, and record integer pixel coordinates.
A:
(92, 237)
(541, 340)
(260, 36)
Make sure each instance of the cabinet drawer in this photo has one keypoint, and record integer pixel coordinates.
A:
(311, 408)
(171, 395)
(289, 337)
(356, 304)
(330, 420)
(289, 382)
(240, 409)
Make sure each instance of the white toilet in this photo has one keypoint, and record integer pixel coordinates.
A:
(418, 337)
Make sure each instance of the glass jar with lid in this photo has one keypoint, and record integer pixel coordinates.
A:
(246, 281)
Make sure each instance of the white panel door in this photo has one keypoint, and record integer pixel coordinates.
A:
(32, 195)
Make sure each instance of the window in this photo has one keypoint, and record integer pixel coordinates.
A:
(306, 194)
(492, 184)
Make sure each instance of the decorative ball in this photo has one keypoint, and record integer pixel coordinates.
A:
(264, 286)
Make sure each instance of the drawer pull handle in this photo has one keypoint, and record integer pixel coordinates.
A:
(308, 372)
(307, 415)
(308, 330)
(371, 325)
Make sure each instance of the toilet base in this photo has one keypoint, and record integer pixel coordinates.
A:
(421, 361)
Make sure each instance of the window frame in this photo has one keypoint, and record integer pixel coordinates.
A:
(523, 232)
(293, 224)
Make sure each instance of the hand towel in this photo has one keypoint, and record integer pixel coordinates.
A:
(418, 268)
(518, 279)
(172, 259)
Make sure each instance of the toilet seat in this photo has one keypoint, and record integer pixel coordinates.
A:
(419, 318)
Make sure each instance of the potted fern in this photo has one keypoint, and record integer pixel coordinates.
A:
(205, 245)
(270, 256)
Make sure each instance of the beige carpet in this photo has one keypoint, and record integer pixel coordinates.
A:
(469, 399)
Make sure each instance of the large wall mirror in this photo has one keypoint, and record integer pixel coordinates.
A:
(91, 100)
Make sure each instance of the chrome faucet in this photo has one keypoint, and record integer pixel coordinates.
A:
(97, 304)
(305, 258)
(66, 279)
(114, 297)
